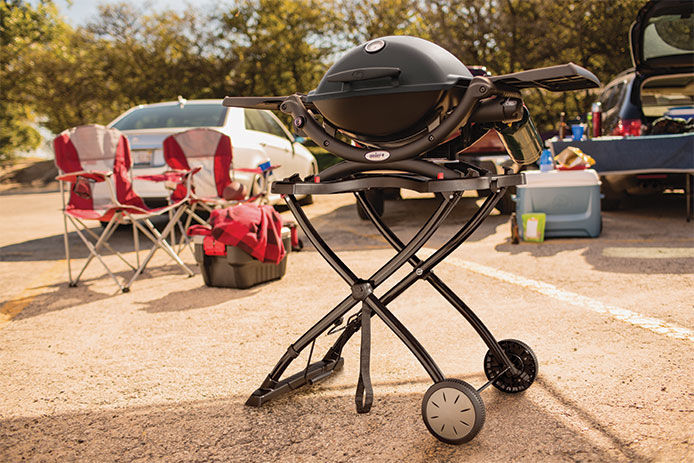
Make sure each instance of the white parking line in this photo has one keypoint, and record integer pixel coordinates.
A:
(650, 323)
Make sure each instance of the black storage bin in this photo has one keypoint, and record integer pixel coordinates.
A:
(237, 269)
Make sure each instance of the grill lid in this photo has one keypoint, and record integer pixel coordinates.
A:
(387, 65)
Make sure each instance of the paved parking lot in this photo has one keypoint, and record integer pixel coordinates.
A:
(162, 373)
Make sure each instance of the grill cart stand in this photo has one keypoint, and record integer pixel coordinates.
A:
(509, 365)
(407, 107)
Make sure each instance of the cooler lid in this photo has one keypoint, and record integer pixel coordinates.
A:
(560, 178)
(393, 64)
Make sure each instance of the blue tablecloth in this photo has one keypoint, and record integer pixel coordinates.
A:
(651, 153)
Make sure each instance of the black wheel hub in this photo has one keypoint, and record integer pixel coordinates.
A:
(522, 357)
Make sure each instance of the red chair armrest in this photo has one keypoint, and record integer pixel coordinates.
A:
(176, 176)
(95, 176)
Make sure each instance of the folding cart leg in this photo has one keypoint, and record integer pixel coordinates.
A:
(439, 285)
(362, 290)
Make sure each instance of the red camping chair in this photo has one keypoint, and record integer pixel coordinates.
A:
(208, 153)
(94, 162)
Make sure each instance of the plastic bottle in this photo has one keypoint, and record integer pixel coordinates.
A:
(562, 125)
(596, 110)
(515, 231)
(546, 161)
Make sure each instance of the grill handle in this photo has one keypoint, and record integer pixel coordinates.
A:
(355, 75)
(479, 88)
(498, 110)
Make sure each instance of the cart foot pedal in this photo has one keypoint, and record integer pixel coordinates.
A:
(315, 372)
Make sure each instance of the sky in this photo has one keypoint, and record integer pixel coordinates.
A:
(79, 12)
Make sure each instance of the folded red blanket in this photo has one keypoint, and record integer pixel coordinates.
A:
(255, 229)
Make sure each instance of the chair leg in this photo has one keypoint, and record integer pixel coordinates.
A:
(185, 241)
(66, 241)
(164, 244)
(136, 243)
(67, 251)
(93, 235)
(94, 253)
(172, 232)
(102, 240)
(144, 262)
(159, 242)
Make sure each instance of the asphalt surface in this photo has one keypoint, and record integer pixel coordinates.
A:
(162, 373)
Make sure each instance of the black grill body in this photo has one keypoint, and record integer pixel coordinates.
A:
(390, 88)
(397, 98)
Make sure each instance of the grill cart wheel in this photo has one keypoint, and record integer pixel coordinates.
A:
(453, 411)
(522, 357)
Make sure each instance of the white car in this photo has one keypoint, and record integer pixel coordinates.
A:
(256, 137)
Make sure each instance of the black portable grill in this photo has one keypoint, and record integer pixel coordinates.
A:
(406, 107)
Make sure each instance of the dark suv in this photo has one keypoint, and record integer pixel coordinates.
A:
(662, 79)
(661, 83)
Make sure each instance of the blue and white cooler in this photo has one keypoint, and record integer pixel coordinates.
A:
(570, 200)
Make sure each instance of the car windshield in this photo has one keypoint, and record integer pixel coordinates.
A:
(661, 95)
(164, 116)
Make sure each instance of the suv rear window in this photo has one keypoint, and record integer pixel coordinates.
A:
(157, 117)
(663, 93)
(668, 35)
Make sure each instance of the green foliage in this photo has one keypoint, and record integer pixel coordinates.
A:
(280, 46)
(126, 58)
(15, 133)
(512, 35)
(129, 56)
(23, 28)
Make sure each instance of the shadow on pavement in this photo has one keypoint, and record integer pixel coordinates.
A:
(196, 298)
(632, 240)
(344, 231)
(60, 296)
(304, 427)
(53, 248)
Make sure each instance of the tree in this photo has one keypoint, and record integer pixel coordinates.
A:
(126, 58)
(280, 46)
(512, 35)
(23, 28)
(368, 20)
